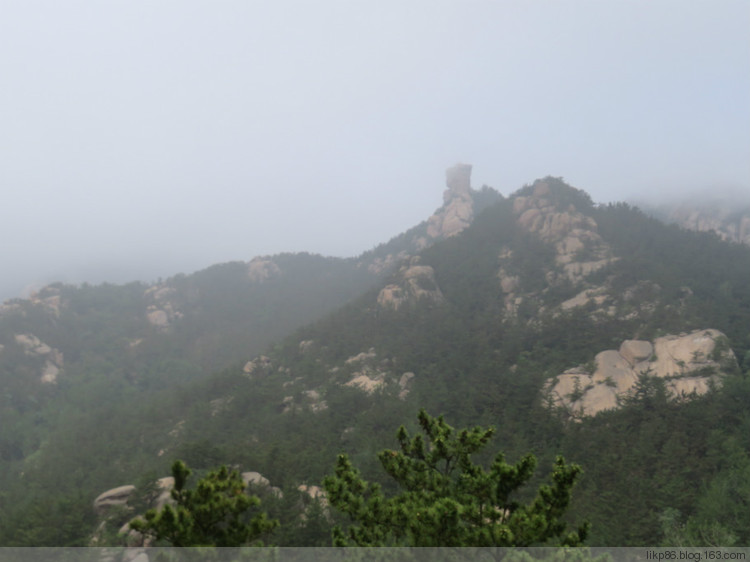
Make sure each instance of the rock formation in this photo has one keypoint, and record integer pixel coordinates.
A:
(262, 269)
(53, 358)
(580, 249)
(162, 311)
(121, 497)
(688, 363)
(458, 205)
(116, 497)
(724, 219)
(414, 282)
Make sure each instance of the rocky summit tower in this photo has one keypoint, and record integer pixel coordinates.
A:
(458, 205)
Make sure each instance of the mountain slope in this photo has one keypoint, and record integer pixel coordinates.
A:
(473, 327)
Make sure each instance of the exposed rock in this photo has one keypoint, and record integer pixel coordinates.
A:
(175, 432)
(362, 356)
(584, 297)
(315, 492)
(367, 382)
(10, 307)
(159, 292)
(635, 351)
(50, 372)
(164, 488)
(255, 478)
(304, 345)
(120, 496)
(162, 311)
(261, 269)
(508, 283)
(415, 282)
(47, 298)
(257, 365)
(311, 399)
(690, 363)
(458, 205)
(678, 355)
(219, 405)
(287, 404)
(599, 398)
(382, 264)
(723, 218)
(614, 371)
(157, 317)
(111, 498)
(34, 347)
(580, 249)
(404, 383)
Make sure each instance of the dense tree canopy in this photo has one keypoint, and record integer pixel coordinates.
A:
(448, 500)
(212, 514)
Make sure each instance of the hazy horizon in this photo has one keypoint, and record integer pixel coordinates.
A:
(140, 140)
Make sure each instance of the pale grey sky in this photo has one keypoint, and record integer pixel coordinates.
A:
(141, 138)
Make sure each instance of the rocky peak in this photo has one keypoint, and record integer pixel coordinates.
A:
(550, 209)
(458, 179)
(458, 205)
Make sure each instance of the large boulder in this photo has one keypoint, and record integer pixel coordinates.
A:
(689, 363)
(116, 497)
(414, 282)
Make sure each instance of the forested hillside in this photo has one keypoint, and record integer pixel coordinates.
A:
(472, 322)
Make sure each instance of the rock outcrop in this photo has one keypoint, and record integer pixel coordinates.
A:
(113, 506)
(53, 358)
(116, 497)
(257, 366)
(580, 250)
(262, 269)
(724, 219)
(455, 214)
(414, 282)
(162, 311)
(458, 205)
(689, 364)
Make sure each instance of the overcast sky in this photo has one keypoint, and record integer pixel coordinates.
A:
(141, 138)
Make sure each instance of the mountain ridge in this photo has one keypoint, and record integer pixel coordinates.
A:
(472, 325)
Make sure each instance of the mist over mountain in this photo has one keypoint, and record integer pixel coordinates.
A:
(593, 331)
(726, 214)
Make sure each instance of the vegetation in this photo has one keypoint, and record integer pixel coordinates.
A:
(212, 514)
(130, 396)
(448, 500)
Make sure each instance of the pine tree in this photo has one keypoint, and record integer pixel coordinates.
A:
(213, 514)
(448, 500)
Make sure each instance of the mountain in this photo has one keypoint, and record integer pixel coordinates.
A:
(727, 217)
(594, 331)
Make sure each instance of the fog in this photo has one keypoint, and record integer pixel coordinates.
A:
(140, 139)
